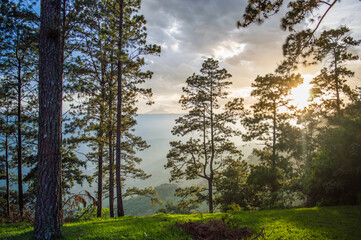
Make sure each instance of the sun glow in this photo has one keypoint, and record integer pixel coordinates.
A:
(300, 95)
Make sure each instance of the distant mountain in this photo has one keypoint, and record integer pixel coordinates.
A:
(141, 205)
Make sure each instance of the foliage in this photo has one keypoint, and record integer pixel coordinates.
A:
(269, 124)
(165, 199)
(233, 189)
(299, 42)
(18, 65)
(334, 48)
(92, 77)
(336, 168)
(209, 150)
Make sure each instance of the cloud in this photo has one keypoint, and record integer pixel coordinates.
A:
(190, 31)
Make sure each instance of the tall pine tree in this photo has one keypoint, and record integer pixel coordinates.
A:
(209, 150)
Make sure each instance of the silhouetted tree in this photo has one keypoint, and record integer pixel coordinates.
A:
(299, 42)
(334, 46)
(269, 123)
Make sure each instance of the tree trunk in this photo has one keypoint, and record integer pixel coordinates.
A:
(111, 176)
(48, 203)
(274, 187)
(211, 174)
(210, 194)
(100, 137)
(20, 161)
(7, 168)
(100, 180)
(338, 101)
(111, 154)
(120, 209)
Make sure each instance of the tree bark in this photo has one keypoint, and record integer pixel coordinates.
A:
(211, 174)
(210, 194)
(111, 175)
(338, 101)
(48, 203)
(100, 136)
(100, 180)
(111, 152)
(120, 209)
(274, 187)
(20, 160)
(7, 168)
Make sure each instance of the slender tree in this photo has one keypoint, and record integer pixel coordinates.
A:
(48, 204)
(120, 208)
(18, 55)
(334, 46)
(94, 79)
(269, 124)
(209, 150)
(7, 129)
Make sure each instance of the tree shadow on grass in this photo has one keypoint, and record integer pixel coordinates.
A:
(341, 222)
(22, 236)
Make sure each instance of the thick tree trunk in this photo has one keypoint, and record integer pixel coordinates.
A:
(20, 160)
(120, 209)
(48, 203)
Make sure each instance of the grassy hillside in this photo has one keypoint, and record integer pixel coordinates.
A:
(305, 223)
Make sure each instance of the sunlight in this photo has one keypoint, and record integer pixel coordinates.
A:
(228, 49)
(301, 94)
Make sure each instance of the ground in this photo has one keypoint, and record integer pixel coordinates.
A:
(321, 223)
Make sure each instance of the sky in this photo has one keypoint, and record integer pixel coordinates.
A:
(189, 31)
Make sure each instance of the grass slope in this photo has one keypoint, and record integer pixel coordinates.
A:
(341, 222)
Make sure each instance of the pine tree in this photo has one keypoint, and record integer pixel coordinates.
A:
(48, 205)
(209, 151)
(299, 42)
(94, 80)
(18, 63)
(7, 128)
(334, 44)
(269, 124)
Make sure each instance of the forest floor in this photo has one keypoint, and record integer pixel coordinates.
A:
(341, 222)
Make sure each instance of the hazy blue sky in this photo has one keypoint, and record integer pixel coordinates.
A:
(191, 30)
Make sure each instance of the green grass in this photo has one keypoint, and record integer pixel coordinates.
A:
(343, 222)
